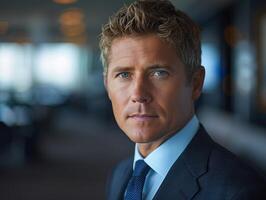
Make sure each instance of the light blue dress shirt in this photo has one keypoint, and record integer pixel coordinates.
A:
(162, 158)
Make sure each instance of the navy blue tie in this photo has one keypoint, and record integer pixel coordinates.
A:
(136, 183)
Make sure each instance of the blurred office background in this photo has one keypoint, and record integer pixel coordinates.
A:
(58, 138)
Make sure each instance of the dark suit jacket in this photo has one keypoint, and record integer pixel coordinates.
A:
(204, 171)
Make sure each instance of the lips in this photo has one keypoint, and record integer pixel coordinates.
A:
(142, 117)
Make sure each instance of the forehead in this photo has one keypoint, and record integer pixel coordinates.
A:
(140, 49)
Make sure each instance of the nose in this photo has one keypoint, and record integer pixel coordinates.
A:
(141, 91)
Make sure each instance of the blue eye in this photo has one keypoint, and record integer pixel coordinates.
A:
(160, 74)
(123, 75)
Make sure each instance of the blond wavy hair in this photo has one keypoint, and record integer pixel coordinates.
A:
(154, 17)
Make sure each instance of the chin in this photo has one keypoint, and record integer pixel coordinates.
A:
(141, 137)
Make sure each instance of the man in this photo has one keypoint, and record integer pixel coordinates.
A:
(153, 75)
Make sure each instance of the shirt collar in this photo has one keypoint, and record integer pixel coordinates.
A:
(163, 157)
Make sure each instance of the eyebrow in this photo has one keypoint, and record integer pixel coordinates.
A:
(121, 68)
(159, 66)
(150, 67)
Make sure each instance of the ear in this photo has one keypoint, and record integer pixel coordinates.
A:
(197, 83)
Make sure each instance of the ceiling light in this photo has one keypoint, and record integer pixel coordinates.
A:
(71, 17)
(65, 1)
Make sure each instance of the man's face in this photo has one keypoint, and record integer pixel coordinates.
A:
(148, 88)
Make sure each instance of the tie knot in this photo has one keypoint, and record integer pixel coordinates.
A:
(141, 168)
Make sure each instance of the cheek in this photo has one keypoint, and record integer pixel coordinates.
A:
(118, 103)
(175, 102)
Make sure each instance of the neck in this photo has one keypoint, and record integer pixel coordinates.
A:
(146, 148)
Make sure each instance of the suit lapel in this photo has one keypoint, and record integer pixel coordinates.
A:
(181, 181)
(121, 179)
(178, 184)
